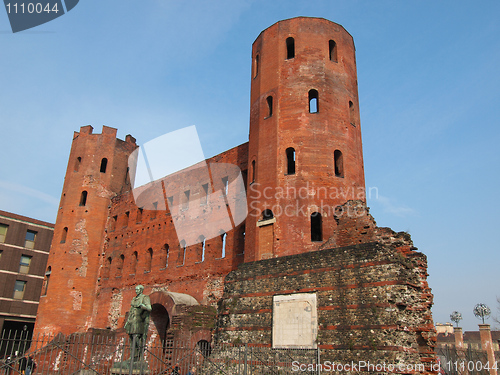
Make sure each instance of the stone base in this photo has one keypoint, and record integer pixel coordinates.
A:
(138, 368)
(127, 371)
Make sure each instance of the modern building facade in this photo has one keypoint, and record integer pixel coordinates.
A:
(24, 250)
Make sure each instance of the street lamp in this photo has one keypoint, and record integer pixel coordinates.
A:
(482, 311)
(456, 317)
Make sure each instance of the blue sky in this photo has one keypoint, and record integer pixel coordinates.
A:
(429, 92)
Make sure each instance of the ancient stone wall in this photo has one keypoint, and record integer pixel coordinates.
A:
(373, 300)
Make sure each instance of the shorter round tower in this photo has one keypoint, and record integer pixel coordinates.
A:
(97, 171)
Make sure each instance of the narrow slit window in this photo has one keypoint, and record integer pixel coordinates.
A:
(316, 227)
(64, 235)
(114, 219)
(107, 268)
(332, 47)
(154, 210)
(225, 183)
(135, 260)
(269, 101)
(339, 163)
(149, 259)
(127, 181)
(256, 66)
(204, 198)
(223, 238)
(185, 202)
(46, 280)
(83, 198)
(290, 160)
(139, 215)
(351, 113)
(252, 172)
(127, 217)
(119, 266)
(313, 101)
(290, 48)
(203, 248)
(166, 254)
(104, 165)
(183, 250)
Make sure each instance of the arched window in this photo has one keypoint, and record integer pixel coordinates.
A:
(332, 47)
(269, 106)
(83, 198)
(290, 48)
(339, 163)
(78, 161)
(166, 254)
(267, 215)
(223, 237)
(256, 65)
(46, 281)
(202, 247)
(104, 165)
(351, 113)
(182, 246)
(64, 235)
(133, 264)
(204, 348)
(252, 172)
(316, 227)
(127, 176)
(149, 259)
(313, 101)
(290, 160)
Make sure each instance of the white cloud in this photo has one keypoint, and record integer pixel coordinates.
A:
(16, 190)
(390, 206)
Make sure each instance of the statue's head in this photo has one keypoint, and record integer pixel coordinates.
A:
(139, 289)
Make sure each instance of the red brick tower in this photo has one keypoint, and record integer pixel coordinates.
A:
(97, 171)
(305, 154)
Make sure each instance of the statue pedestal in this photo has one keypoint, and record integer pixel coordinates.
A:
(127, 371)
(138, 368)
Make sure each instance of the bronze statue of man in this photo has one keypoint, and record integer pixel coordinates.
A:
(138, 321)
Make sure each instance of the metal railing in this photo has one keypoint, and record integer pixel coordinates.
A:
(91, 354)
(455, 361)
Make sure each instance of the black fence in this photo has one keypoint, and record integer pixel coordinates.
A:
(107, 354)
(84, 354)
(464, 361)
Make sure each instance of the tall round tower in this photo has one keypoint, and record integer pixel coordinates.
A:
(97, 171)
(305, 153)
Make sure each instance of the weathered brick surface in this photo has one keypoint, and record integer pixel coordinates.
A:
(372, 294)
